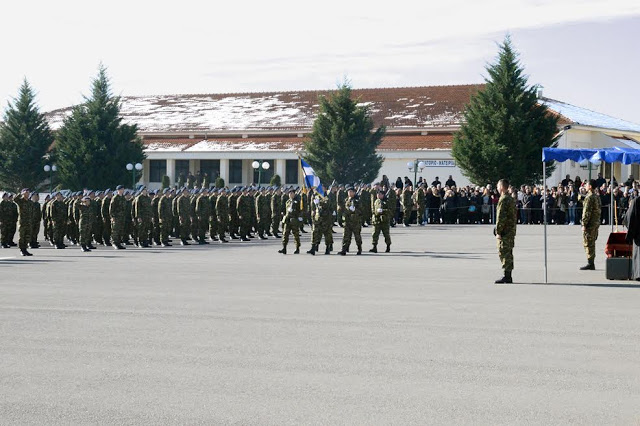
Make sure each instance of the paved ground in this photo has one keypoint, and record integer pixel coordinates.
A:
(239, 334)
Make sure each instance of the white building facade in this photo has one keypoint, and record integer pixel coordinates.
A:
(223, 134)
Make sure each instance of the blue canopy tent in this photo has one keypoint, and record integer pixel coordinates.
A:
(607, 155)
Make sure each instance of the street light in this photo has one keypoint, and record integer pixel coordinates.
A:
(260, 166)
(131, 168)
(413, 166)
(50, 169)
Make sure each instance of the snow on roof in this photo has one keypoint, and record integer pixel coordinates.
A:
(585, 117)
(433, 106)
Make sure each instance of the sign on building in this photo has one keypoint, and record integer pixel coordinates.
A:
(439, 163)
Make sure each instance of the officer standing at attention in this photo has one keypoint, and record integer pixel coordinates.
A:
(24, 205)
(352, 222)
(506, 220)
(291, 222)
(591, 211)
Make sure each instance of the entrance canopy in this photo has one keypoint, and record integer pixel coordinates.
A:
(608, 155)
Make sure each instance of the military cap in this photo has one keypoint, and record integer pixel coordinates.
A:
(119, 187)
(165, 191)
(291, 189)
(24, 190)
(350, 188)
(108, 190)
(85, 198)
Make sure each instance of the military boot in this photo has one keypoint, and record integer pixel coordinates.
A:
(374, 249)
(359, 250)
(283, 250)
(184, 242)
(588, 267)
(388, 250)
(328, 250)
(297, 250)
(506, 279)
(24, 252)
(313, 250)
(84, 248)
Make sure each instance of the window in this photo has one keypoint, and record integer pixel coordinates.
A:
(235, 171)
(211, 168)
(266, 174)
(157, 169)
(182, 168)
(291, 173)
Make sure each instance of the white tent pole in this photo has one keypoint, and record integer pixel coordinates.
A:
(611, 205)
(544, 209)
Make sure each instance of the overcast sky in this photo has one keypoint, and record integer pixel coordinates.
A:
(584, 52)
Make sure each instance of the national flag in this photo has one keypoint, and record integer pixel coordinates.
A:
(311, 180)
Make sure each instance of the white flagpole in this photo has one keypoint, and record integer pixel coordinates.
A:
(544, 209)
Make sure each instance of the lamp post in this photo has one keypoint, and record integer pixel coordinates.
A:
(260, 165)
(413, 166)
(50, 169)
(133, 168)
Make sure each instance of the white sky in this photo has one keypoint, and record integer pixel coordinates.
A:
(582, 51)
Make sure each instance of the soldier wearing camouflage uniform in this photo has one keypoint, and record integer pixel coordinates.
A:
(86, 217)
(106, 218)
(183, 209)
(143, 217)
(244, 207)
(57, 213)
(352, 222)
(222, 213)
(117, 212)
(406, 201)
(36, 217)
(591, 211)
(203, 212)
(291, 222)
(322, 223)
(505, 230)
(165, 217)
(263, 214)
(213, 217)
(25, 209)
(276, 211)
(381, 213)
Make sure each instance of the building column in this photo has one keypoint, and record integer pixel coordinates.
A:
(171, 170)
(224, 170)
(280, 168)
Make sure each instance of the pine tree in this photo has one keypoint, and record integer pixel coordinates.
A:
(93, 147)
(342, 145)
(25, 137)
(505, 127)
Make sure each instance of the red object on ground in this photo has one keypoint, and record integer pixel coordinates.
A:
(617, 246)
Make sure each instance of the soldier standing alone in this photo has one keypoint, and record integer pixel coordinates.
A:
(381, 213)
(291, 222)
(506, 220)
(352, 222)
(591, 210)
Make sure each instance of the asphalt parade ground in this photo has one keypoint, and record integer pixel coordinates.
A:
(239, 334)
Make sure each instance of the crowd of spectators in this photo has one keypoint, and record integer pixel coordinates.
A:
(449, 204)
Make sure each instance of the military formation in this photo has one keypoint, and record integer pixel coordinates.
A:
(144, 218)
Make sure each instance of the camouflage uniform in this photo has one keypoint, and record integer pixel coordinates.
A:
(155, 233)
(291, 222)
(222, 213)
(183, 209)
(506, 220)
(591, 211)
(263, 211)
(213, 218)
(58, 215)
(365, 206)
(322, 223)
(341, 197)
(276, 212)
(25, 210)
(244, 206)
(106, 219)
(203, 211)
(85, 222)
(6, 219)
(36, 217)
(381, 213)
(143, 217)
(164, 217)
(352, 224)
(407, 205)
(117, 212)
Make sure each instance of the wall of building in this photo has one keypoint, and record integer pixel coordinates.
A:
(440, 163)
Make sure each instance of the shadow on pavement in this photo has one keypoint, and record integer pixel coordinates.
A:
(611, 285)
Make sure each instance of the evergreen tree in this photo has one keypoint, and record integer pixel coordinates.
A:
(25, 138)
(342, 145)
(93, 147)
(505, 127)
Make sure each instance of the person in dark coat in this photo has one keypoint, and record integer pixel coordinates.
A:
(399, 183)
(632, 221)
